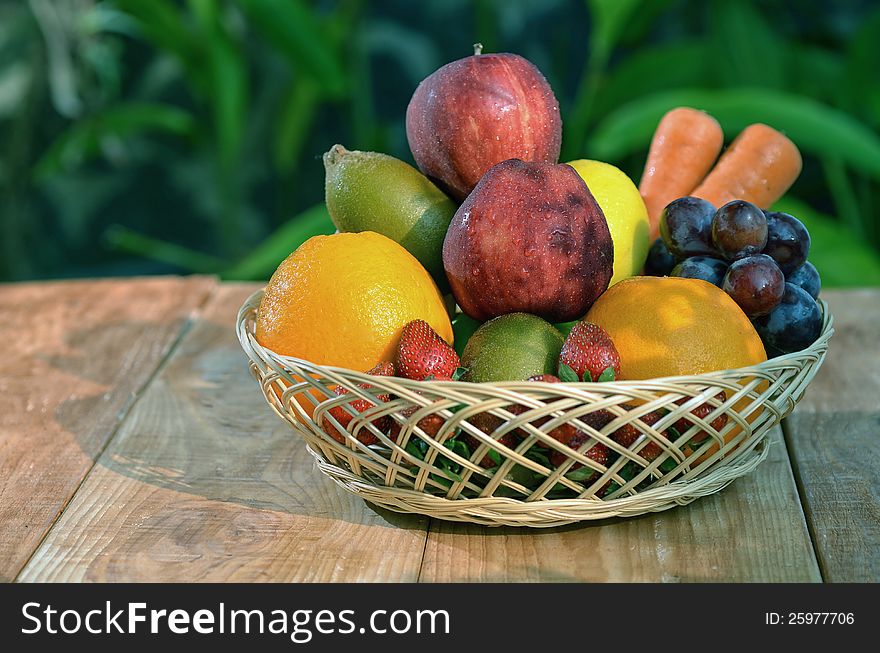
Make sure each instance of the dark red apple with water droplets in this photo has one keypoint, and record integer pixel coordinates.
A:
(478, 111)
(530, 238)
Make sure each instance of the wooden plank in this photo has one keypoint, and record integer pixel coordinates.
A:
(833, 439)
(205, 483)
(753, 531)
(75, 355)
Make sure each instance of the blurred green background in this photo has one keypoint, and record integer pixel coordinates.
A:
(163, 136)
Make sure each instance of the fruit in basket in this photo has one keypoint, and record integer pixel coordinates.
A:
(701, 267)
(624, 211)
(755, 283)
(369, 191)
(530, 238)
(788, 241)
(424, 355)
(686, 227)
(589, 352)
(478, 111)
(599, 452)
(807, 277)
(669, 326)
(341, 415)
(739, 229)
(629, 433)
(512, 347)
(759, 166)
(660, 260)
(344, 299)
(702, 412)
(794, 324)
(683, 149)
(430, 424)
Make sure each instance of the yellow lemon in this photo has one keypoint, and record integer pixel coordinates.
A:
(625, 212)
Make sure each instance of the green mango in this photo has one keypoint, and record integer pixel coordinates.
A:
(370, 191)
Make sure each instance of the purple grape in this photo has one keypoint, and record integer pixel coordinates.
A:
(701, 267)
(755, 283)
(807, 277)
(739, 229)
(660, 261)
(686, 227)
(793, 325)
(788, 241)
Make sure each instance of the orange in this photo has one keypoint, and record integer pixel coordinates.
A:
(342, 300)
(672, 326)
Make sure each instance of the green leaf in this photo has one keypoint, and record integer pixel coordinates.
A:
(293, 27)
(606, 375)
(582, 473)
(262, 261)
(458, 373)
(567, 375)
(734, 24)
(668, 465)
(463, 327)
(654, 69)
(83, 139)
(294, 125)
(815, 128)
(841, 257)
(495, 457)
(124, 239)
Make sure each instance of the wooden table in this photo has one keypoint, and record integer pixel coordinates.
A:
(134, 446)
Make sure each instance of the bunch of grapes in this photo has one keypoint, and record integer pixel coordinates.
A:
(757, 257)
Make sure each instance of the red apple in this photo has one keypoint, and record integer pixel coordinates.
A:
(478, 111)
(530, 238)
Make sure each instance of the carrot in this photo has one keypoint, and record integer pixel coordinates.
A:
(759, 166)
(685, 145)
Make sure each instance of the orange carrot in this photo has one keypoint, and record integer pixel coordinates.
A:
(685, 145)
(759, 166)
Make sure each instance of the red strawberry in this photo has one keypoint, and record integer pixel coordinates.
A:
(545, 378)
(342, 416)
(588, 351)
(702, 411)
(627, 434)
(487, 423)
(598, 452)
(422, 354)
(430, 424)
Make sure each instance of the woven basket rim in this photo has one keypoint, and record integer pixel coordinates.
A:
(498, 510)
(251, 303)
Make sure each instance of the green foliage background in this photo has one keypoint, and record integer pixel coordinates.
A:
(157, 136)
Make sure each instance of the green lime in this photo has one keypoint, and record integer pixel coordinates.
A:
(370, 191)
(512, 348)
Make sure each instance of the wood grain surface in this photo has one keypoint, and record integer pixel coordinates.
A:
(834, 441)
(204, 483)
(75, 355)
(751, 531)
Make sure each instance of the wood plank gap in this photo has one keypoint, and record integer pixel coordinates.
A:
(805, 505)
(124, 413)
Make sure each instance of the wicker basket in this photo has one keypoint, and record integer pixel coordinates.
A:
(497, 459)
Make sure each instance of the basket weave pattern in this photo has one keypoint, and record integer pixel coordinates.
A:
(514, 472)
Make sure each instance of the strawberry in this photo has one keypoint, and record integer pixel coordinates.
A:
(487, 423)
(341, 415)
(702, 411)
(422, 354)
(598, 452)
(588, 351)
(627, 434)
(430, 424)
(544, 378)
